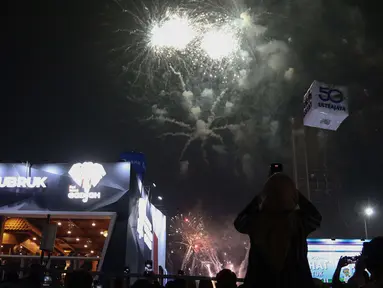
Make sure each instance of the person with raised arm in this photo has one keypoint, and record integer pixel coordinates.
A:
(278, 222)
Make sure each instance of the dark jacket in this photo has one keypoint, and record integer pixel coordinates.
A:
(296, 270)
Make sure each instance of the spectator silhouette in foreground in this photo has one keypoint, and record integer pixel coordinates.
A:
(226, 279)
(142, 283)
(10, 280)
(372, 260)
(319, 284)
(343, 262)
(33, 279)
(205, 284)
(180, 283)
(170, 284)
(278, 222)
(79, 279)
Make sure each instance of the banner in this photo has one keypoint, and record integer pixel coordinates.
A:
(81, 186)
(325, 106)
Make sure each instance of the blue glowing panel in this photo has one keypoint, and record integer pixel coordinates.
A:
(324, 254)
(62, 187)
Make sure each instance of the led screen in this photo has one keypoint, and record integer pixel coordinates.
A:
(323, 256)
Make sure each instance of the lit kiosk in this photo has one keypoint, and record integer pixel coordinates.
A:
(100, 210)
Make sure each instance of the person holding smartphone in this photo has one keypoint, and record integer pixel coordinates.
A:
(278, 221)
(371, 260)
(343, 262)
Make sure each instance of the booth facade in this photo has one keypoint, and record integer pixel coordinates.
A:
(91, 203)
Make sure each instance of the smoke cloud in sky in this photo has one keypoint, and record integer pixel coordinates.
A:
(240, 106)
(184, 166)
(247, 166)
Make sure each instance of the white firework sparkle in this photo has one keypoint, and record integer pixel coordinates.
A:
(220, 42)
(179, 27)
(197, 36)
(211, 49)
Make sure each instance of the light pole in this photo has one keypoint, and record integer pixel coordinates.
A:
(295, 132)
(368, 212)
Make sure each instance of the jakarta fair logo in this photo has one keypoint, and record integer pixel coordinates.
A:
(86, 175)
(331, 94)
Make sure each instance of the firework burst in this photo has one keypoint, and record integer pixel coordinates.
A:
(199, 54)
(181, 29)
(191, 242)
(196, 37)
(203, 248)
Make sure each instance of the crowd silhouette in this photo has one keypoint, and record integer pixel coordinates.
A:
(278, 222)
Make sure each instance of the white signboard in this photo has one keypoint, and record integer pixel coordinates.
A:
(325, 106)
(86, 176)
(144, 227)
(23, 182)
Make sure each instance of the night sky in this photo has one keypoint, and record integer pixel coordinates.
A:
(61, 103)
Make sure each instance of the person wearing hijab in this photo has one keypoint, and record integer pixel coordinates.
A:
(278, 222)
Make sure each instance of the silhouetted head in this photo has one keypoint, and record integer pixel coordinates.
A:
(280, 194)
(226, 279)
(79, 279)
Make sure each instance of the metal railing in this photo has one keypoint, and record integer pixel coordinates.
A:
(124, 280)
(51, 258)
(25, 260)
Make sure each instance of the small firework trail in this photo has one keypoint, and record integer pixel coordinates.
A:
(191, 242)
(204, 248)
